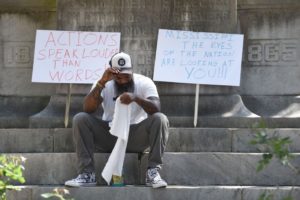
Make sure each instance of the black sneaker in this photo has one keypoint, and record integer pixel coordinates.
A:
(84, 179)
(154, 180)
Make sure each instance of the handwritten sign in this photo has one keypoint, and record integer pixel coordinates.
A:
(198, 57)
(72, 57)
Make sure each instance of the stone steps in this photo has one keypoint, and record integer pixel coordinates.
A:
(200, 163)
(180, 140)
(194, 169)
(172, 192)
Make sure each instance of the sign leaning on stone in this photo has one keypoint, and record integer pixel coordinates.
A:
(72, 56)
(198, 57)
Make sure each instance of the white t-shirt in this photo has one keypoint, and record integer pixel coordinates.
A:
(144, 87)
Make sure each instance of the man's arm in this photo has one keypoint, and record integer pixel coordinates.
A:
(150, 105)
(93, 99)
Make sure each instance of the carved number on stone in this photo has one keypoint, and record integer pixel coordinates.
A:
(272, 52)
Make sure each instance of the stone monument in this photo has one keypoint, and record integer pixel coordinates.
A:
(270, 69)
(138, 22)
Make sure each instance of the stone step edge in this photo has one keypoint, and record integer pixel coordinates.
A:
(174, 192)
(146, 153)
(287, 187)
(180, 140)
(200, 168)
(171, 128)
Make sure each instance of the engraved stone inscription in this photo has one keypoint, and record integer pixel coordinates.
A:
(139, 21)
(144, 62)
(196, 11)
(272, 52)
(18, 54)
(140, 44)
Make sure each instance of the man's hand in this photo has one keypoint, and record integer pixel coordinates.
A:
(108, 75)
(150, 105)
(127, 98)
(93, 98)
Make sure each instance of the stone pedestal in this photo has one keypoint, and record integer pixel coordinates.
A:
(19, 97)
(271, 65)
(138, 22)
(270, 70)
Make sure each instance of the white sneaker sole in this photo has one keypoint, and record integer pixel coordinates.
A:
(162, 185)
(70, 184)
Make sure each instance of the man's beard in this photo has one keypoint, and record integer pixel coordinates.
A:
(120, 89)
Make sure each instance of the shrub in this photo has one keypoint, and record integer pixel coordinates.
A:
(11, 170)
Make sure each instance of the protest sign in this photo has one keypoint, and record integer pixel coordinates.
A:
(198, 57)
(72, 56)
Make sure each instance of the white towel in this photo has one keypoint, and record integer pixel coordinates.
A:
(119, 128)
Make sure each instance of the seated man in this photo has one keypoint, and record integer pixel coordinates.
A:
(148, 127)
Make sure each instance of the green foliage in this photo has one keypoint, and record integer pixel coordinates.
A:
(11, 169)
(265, 196)
(58, 193)
(288, 198)
(274, 146)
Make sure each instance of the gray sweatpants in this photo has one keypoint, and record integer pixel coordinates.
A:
(91, 133)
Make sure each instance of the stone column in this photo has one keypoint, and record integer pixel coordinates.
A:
(139, 21)
(271, 66)
(19, 98)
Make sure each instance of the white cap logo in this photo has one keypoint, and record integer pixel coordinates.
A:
(121, 62)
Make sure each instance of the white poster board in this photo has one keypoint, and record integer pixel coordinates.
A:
(72, 56)
(198, 57)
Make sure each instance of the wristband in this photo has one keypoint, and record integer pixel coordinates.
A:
(100, 85)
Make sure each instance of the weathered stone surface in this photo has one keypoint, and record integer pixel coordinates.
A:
(15, 111)
(224, 169)
(56, 168)
(285, 106)
(136, 193)
(271, 63)
(180, 140)
(231, 107)
(63, 140)
(242, 137)
(276, 193)
(271, 58)
(53, 115)
(231, 113)
(17, 33)
(25, 140)
(171, 192)
(18, 23)
(139, 21)
(194, 169)
(271, 52)
(219, 122)
(199, 140)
